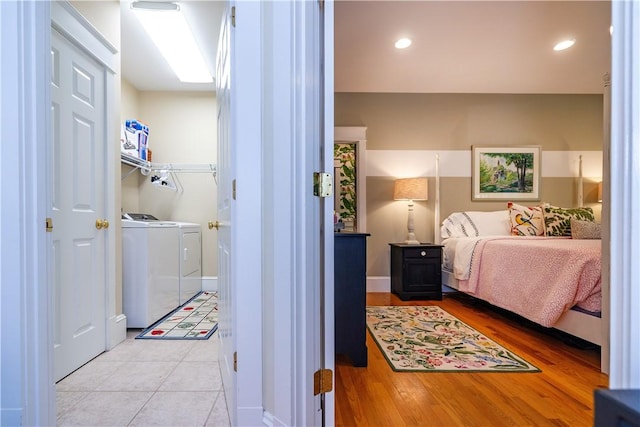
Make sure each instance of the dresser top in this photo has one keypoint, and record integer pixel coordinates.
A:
(350, 234)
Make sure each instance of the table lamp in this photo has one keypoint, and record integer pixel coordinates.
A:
(410, 189)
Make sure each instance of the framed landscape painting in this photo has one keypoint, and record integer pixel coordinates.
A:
(506, 173)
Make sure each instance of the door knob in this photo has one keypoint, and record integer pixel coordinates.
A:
(215, 225)
(102, 223)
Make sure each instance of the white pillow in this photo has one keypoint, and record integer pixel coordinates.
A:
(474, 223)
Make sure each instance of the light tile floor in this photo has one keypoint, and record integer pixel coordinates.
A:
(146, 383)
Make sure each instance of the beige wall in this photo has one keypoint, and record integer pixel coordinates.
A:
(182, 129)
(452, 123)
(457, 121)
(130, 108)
(104, 15)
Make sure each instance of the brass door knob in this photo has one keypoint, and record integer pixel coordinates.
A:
(215, 225)
(102, 223)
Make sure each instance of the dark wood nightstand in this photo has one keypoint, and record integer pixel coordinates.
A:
(416, 271)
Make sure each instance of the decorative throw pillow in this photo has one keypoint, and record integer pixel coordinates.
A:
(472, 224)
(585, 229)
(526, 221)
(557, 221)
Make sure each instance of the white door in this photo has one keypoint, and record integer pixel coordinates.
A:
(224, 175)
(78, 248)
(239, 211)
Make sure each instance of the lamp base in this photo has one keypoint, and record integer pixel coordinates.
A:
(411, 236)
(411, 242)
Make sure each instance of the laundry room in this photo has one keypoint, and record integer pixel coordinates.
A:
(182, 133)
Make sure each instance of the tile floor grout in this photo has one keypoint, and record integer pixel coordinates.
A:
(146, 382)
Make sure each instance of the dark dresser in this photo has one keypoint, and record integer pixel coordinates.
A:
(350, 288)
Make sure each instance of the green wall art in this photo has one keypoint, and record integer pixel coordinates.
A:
(510, 173)
(344, 155)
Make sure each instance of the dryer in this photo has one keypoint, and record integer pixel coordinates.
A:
(190, 260)
(150, 269)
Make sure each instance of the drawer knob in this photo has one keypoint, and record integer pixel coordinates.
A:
(423, 253)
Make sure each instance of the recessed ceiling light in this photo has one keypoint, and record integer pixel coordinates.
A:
(564, 44)
(403, 43)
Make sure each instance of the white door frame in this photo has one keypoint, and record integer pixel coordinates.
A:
(624, 200)
(327, 130)
(27, 393)
(293, 129)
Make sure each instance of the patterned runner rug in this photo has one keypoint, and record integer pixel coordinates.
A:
(428, 339)
(196, 319)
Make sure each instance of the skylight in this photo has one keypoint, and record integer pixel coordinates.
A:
(165, 24)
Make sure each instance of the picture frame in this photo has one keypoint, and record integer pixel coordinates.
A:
(505, 173)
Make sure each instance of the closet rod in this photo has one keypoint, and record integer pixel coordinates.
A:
(146, 167)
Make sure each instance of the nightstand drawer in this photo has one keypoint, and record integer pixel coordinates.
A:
(422, 252)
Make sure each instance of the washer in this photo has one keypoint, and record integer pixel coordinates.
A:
(190, 260)
(150, 269)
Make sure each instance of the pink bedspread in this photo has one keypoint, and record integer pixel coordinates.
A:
(538, 278)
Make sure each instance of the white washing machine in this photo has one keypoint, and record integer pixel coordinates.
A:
(190, 260)
(150, 269)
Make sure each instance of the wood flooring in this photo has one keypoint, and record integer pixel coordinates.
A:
(560, 395)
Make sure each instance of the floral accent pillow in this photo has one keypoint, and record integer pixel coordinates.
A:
(585, 229)
(557, 221)
(526, 221)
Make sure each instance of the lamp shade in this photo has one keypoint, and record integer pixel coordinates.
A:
(410, 189)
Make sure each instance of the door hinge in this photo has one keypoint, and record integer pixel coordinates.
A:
(49, 225)
(322, 184)
(235, 361)
(233, 189)
(233, 16)
(322, 381)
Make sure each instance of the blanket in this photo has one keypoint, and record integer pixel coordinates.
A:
(538, 278)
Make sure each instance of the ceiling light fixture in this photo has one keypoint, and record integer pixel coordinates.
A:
(564, 44)
(165, 24)
(403, 43)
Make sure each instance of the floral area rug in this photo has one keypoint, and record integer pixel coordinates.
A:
(428, 339)
(196, 319)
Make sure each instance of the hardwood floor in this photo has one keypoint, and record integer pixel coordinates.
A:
(560, 395)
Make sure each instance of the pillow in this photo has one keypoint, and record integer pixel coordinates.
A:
(557, 221)
(585, 229)
(526, 221)
(473, 224)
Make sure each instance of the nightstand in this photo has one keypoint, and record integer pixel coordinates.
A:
(416, 271)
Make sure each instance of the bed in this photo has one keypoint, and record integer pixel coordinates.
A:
(506, 260)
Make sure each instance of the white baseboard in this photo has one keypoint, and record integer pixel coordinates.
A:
(378, 284)
(271, 420)
(209, 283)
(117, 330)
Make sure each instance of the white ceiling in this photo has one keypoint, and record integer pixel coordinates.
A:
(458, 46)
